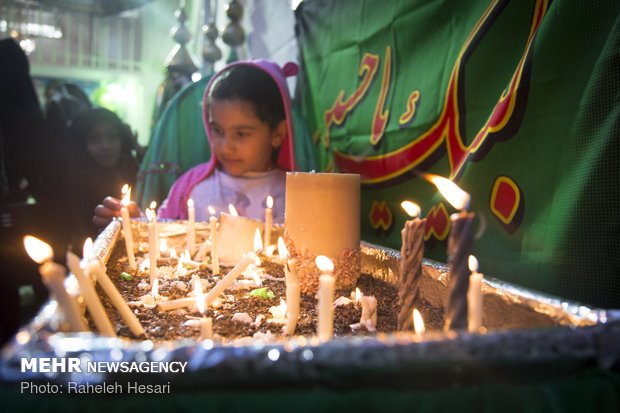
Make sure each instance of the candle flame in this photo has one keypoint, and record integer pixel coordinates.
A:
(269, 202)
(126, 196)
(324, 264)
(473, 264)
(153, 205)
(358, 295)
(150, 215)
(282, 251)
(124, 189)
(155, 289)
(72, 286)
(232, 210)
(418, 322)
(458, 198)
(270, 250)
(200, 301)
(411, 208)
(258, 241)
(38, 250)
(256, 277)
(88, 250)
(163, 245)
(190, 203)
(211, 210)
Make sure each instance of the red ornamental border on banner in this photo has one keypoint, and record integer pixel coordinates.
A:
(380, 168)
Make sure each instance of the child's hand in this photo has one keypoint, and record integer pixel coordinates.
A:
(110, 208)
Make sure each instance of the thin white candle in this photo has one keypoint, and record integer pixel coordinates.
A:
(191, 226)
(229, 278)
(216, 291)
(292, 288)
(206, 328)
(369, 312)
(93, 303)
(53, 276)
(327, 285)
(153, 207)
(153, 247)
(268, 222)
(418, 322)
(206, 325)
(127, 227)
(474, 297)
(215, 258)
(93, 268)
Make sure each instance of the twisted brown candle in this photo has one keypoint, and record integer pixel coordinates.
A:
(460, 246)
(411, 254)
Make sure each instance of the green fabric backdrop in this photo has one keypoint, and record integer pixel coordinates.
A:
(516, 101)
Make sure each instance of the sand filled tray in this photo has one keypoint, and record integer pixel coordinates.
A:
(524, 332)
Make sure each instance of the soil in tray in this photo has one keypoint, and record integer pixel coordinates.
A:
(171, 325)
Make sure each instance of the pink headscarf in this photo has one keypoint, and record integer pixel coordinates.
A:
(175, 206)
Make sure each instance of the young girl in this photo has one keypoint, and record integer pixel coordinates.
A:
(248, 120)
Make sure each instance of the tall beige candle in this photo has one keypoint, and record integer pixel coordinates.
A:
(322, 217)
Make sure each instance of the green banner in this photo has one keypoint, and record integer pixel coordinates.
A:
(515, 101)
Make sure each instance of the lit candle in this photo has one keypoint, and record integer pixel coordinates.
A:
(474, 297)
(206, 326)
(93, 268)
(216, 291)
(87, 291)
(215, 259)
(369, 312)
(153, 207)
(327, 284)
(411, 253)
(153, 247)
(292, 288)
(258, 242)
(53, 276)
(127, 226)
(191, 226)
(418, 322)
(268, 222)
(460, 245)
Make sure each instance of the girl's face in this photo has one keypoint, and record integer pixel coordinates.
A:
(103, 144)
(242, 142)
